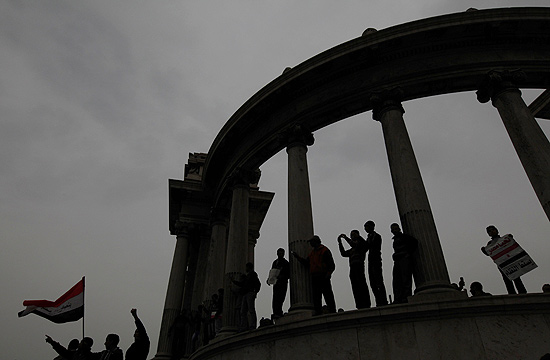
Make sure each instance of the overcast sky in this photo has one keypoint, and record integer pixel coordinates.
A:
(101, 102)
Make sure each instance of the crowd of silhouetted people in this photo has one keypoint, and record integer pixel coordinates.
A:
(193, 328)
(82, 350)
(196, 327)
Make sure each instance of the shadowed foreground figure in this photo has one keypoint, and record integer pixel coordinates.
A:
(73, 345)
(356, 255)
(140, 347)
(84, 349)
(321, 266)
(492, 231)
(403, 248)
(112, 351)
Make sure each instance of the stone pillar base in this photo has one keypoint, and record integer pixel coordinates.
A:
(227, 331)
(294, 316)
(436, 295)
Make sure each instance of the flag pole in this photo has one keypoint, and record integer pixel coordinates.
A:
(83, 302)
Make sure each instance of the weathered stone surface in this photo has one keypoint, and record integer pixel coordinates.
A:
(498, 327)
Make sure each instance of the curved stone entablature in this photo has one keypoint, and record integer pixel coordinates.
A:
(439, 55)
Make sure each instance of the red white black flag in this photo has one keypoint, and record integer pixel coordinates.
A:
(69, 307)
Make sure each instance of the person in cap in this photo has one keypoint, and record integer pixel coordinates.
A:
(321, 266)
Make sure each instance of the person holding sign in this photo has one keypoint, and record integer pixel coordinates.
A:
(278, 277)
(512, 261)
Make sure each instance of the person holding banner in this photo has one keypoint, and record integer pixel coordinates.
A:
(503, 252)
(278, 277)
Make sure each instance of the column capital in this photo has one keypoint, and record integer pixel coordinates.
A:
(219, 215)
(496, 82)
(297, 134)
(386, 100)
(182, 228)
(244, 177)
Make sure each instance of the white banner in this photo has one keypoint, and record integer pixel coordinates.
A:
(510, 257)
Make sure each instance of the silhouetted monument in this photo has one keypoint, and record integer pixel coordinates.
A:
(217, 210)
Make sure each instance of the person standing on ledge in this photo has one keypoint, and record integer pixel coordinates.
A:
(356, 255)
(250, 287)
(403, 248)
(281, 268)
(321, 266)
(140, 347)
(492, 231)
(374, 247)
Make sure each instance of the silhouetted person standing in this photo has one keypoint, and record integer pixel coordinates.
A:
(140, 347)
(250, 287)
(403, 248)
(321, 266)
(492, 231)
(280, 286)
(374, 247)
(356, 256)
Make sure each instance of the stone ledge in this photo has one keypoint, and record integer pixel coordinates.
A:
(463, 319)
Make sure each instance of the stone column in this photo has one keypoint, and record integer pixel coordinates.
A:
(174, 293)
(190, 276)
(300, 217)
(529, 140)
(215, 268)
(203, 238)
(416, 217)
(237, 250)
(253, 236)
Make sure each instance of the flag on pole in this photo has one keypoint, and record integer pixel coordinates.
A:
(69, 307)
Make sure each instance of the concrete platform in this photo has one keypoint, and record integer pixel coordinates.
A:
(496, 327)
